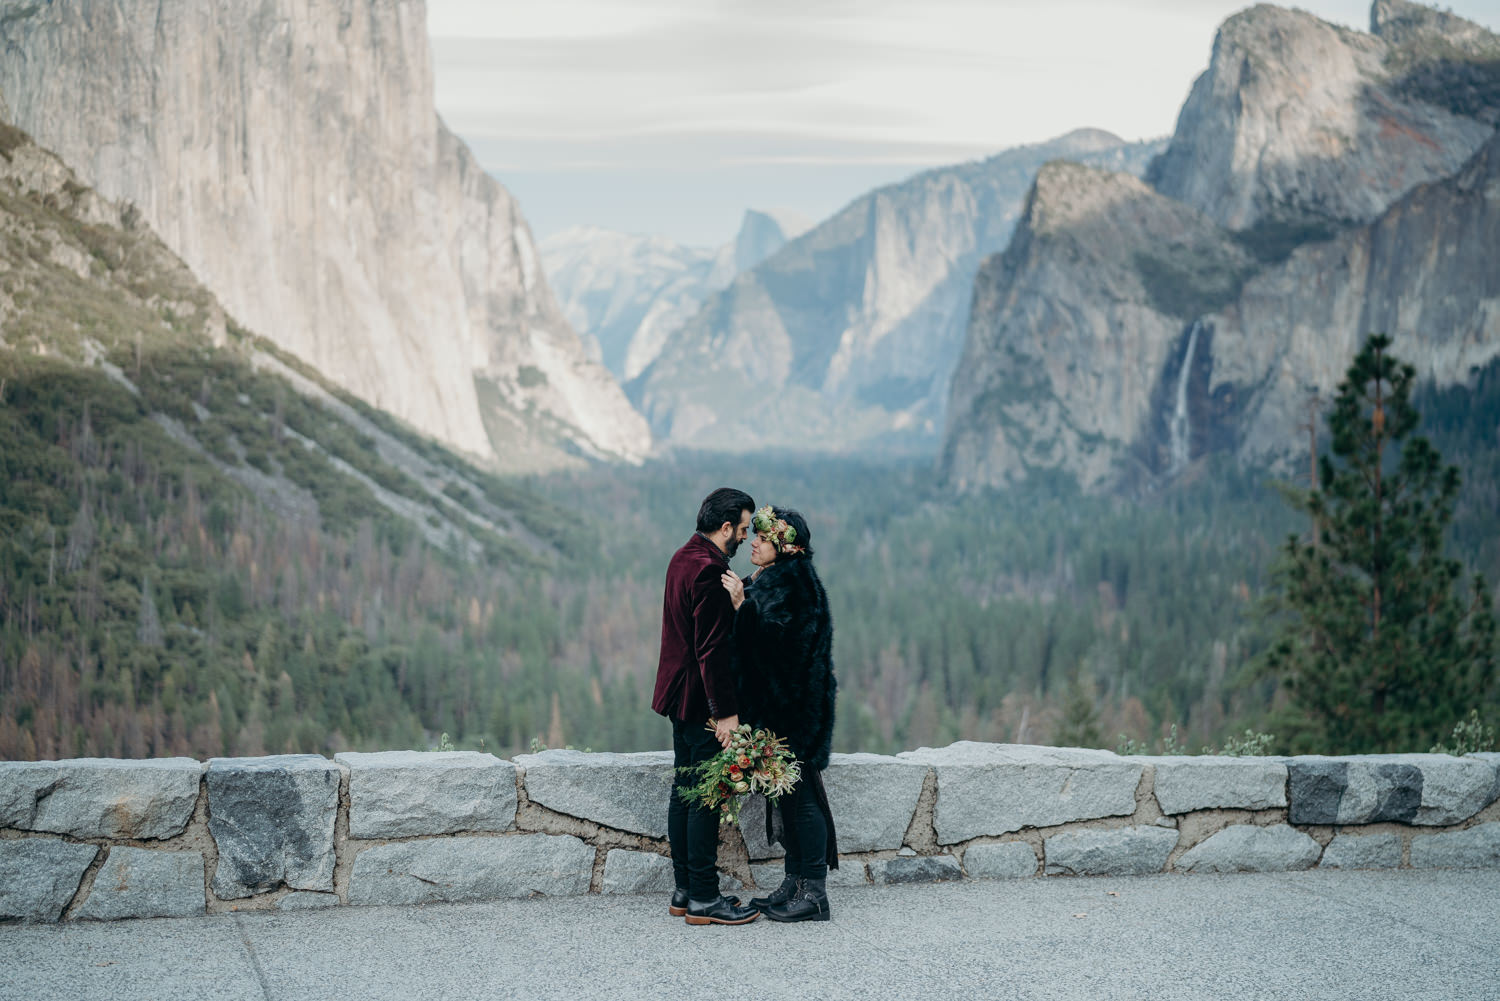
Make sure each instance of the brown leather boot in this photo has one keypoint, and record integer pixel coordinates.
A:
(721, 911)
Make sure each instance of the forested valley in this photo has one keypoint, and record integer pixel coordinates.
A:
(208, 548)
(150, 604)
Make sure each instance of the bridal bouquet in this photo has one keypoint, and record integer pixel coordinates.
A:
(755, 761)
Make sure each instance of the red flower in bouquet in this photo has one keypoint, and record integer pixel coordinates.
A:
(755, 761)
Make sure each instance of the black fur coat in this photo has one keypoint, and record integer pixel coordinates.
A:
(783, 658)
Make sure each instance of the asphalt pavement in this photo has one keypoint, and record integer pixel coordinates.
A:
(1320, 934)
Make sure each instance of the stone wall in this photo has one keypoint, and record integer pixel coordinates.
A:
(104, 838)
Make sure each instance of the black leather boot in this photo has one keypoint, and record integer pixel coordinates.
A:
(678, 906)
(720, 911)
(809, 903)
(778, 896)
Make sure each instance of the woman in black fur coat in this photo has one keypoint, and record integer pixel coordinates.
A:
(783, 656)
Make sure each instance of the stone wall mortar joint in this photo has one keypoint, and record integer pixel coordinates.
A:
(85, 883)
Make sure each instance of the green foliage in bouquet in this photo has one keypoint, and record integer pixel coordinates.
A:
(755, 761)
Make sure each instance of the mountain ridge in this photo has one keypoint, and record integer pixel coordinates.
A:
(291, 154)
(628, 292)
(89, 289)
(1223, 327)
(206, 546)
(1298, 120)
(845, 338)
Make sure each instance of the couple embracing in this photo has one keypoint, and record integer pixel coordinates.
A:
(754, 650)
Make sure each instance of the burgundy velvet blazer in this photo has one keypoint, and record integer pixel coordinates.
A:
(693, 679)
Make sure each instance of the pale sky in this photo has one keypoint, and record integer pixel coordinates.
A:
(674, 117)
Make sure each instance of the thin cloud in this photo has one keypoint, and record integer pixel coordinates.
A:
(601, 87)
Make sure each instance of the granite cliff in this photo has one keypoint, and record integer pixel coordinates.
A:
(126, 390)
(1299, 121)
(1424, 272)
(628, 293)
(847, 337)
(291, 154)
(1066, 346)
(1131, 328)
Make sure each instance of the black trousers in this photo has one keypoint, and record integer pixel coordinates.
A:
(805, 832)
(693, 831)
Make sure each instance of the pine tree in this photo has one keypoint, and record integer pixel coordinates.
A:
(1379, 650)
(1079, 726)
(148, 629)
(81, 537)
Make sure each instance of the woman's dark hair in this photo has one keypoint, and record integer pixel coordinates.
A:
(794, 518)
(724, 504)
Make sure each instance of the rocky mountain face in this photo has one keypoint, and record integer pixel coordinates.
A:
(1067, 341)
(207, 546)
(111, 347)
(1300, 121)
(847, 337)
(761, 234)
(291, 154)
(77, 270)
(1424, 272)
(627, 293)
(1129, 329)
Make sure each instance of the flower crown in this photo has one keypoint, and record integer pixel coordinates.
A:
(780, 534)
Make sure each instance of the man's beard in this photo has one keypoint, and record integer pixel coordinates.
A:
(731, 547)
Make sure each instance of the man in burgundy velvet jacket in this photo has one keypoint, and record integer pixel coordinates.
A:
(694, 686)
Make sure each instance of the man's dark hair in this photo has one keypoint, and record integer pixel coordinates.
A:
(724, 504)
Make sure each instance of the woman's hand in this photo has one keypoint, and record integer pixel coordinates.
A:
(735, 587)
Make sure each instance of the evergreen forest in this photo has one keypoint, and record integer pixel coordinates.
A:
(206, 549)
(151, 605)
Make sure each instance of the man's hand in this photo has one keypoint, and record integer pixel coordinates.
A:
(735, 587)
(724, 728)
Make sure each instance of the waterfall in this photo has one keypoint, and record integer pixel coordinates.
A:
(1179, 429)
